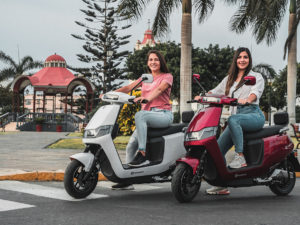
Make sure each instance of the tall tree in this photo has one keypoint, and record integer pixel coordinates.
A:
(161, 27)
(269, 74)
(102, 44)
(280, 88)
(15, 69)
(265, 17)
(5, 100)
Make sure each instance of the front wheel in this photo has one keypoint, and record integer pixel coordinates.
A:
(73, 180)
(285, 186)
(182, 187)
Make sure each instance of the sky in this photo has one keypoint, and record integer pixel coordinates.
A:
(40, 28)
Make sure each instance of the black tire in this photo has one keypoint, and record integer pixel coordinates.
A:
(73, 180)
(181, 185)
(285, 187)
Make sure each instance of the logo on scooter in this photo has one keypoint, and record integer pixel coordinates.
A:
(240, 175)
(137, 172)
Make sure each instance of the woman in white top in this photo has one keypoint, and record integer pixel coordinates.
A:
(244, 117)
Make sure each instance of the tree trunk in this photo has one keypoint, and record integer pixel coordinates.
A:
(292, 72)
(186, 57)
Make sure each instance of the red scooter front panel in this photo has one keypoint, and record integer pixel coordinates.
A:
(208, 118)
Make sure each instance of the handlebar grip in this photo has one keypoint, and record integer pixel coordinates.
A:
(192, 101)
(139, 102)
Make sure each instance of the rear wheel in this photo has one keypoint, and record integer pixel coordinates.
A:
(73, 180)
(285, 186)
(182, 187)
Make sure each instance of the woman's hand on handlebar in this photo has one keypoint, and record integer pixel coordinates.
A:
(243, 101)
(100, 96)
(197, 98)
(140, 100)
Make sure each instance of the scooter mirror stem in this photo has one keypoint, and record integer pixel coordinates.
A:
(146, 77)
(143, 79)
(198, 83)
(244, 82)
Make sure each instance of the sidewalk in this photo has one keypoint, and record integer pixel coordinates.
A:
(24, 156)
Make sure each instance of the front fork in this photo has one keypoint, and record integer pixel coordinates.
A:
(96, 159)
(200, 169)
(197, 165)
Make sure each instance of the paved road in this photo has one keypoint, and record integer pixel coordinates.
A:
(26, 151)
(46, 203)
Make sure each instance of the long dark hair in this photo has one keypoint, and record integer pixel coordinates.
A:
(233, 70)
(163, 64)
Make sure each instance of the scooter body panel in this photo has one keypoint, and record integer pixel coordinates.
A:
(208, 118)
(105, 115)
(173, 149)
(276, 148)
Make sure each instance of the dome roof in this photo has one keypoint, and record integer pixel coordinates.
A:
(55, 58)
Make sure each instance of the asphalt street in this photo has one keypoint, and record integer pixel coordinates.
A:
(46, 203)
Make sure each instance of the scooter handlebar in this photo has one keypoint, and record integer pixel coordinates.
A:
(144, 101)
(192, 101)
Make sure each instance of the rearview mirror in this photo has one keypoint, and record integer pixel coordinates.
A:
(249, 80)
(147, 78)
(196, 77)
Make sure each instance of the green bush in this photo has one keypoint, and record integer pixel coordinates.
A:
(39, 120)
(176, 117)
(126, 117)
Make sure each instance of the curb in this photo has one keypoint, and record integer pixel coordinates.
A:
(41, 176)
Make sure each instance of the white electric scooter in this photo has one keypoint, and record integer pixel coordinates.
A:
(164, 147)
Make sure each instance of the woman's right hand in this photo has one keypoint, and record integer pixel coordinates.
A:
(100, 96)
(197, 98)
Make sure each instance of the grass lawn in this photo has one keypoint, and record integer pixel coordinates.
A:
(75, 134)
(76, 143)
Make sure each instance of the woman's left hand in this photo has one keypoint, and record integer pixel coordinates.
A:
(139, 99)
(243, 101)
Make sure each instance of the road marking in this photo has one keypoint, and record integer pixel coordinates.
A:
(43, 191)
(137, 187)
(9, 205)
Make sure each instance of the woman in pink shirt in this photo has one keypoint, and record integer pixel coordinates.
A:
(156, 113)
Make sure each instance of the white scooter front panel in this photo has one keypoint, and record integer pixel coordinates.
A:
(106, 115)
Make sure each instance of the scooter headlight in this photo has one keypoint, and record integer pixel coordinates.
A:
(202, 134)
(98, 132)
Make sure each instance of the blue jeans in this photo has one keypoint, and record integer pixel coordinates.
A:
(156, 118)
(249, 119)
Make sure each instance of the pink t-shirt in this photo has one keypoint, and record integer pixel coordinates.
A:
(163, 100)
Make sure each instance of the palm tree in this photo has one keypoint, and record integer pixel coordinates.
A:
(16, 69)
(160, 27)
(265, 17)
(268, 73)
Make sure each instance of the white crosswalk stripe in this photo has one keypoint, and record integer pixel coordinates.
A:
(10, 205)
(43, 191)
(137, 187)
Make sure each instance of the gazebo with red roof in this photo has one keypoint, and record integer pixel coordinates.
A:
(53, 79)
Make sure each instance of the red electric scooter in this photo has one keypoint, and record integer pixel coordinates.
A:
(268, 153)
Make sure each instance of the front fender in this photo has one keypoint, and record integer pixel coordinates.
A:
(192, 162)
(86, 158)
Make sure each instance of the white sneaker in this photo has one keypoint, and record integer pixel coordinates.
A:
(217, 191)
(238, 162)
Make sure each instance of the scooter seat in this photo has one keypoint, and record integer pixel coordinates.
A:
(159, 132)
(265, 132)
